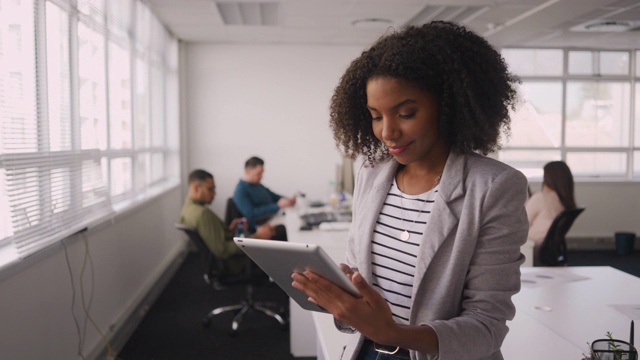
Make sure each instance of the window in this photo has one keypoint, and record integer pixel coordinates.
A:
(84, 116)
(534, 62)
(583, 112)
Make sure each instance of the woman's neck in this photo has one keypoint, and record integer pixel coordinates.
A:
(413, 180)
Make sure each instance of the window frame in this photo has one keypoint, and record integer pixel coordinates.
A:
(632, 78)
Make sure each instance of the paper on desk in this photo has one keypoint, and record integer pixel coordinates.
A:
(334, 226)
(631, 311)
(540, 278)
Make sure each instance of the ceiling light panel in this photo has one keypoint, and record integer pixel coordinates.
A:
(249, 13)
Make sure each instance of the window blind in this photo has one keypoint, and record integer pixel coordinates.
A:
(53, 195)
(76, 89)
(51, 188)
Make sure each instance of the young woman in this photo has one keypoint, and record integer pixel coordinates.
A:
(434, 247)
(543, 206)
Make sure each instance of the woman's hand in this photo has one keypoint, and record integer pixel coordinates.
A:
(370, 314)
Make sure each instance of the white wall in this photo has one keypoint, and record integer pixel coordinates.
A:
(271, 101)
(128, 255)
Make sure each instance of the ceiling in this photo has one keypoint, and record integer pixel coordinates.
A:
(505, 23)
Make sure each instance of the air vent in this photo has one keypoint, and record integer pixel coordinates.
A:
(607, 26)
(249, 13)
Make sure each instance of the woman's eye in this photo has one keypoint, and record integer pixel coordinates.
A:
(406, 116)
(376, 117)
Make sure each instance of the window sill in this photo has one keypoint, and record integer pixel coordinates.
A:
(10, 262)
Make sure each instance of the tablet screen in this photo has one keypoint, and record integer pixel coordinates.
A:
(279, 259)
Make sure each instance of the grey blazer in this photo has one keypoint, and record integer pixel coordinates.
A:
(469, 260)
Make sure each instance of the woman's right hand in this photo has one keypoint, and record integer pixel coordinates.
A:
(369, 314)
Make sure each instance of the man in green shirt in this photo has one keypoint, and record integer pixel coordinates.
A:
(217, 236)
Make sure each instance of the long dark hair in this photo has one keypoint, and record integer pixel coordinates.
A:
(558, 177)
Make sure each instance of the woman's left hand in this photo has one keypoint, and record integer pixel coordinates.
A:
(369, 314)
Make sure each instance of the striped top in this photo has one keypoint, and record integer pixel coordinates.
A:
(394, 260)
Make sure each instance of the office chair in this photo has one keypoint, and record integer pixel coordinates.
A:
(215, 276)
(231, 212)
(553, 250)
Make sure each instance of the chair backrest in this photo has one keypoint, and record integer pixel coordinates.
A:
(231, 212)
(553, 251)
(212, 266)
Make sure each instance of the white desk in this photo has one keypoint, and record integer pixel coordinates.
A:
(580, 311)
(529, 340)
(303, 334)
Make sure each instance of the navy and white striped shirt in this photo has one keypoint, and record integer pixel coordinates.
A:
(394, 260)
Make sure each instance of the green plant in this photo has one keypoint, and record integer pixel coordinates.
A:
(612, 346)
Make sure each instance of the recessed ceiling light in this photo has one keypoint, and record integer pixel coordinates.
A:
(607, 26)
(372, 23)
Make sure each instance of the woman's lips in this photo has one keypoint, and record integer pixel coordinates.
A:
(397, 150)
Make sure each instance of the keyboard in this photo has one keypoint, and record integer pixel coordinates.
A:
(318, 218)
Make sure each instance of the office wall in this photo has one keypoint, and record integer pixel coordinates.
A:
(271, 101)
(129, 256)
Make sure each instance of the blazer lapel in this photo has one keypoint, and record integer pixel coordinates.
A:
(443, 219)
(375, 199)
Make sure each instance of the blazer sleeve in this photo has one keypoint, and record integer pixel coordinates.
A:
(493, 275)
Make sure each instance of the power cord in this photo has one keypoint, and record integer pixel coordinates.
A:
(111, 355)
(73, 303)
(86, 306)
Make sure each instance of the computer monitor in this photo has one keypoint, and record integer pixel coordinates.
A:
(344, 176)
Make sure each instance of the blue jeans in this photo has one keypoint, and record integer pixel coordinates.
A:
(368, 352)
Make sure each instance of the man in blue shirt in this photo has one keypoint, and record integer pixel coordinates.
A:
(255, 201)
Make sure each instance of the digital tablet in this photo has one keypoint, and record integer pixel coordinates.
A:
(279, 259)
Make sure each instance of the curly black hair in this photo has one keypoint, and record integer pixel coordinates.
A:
(466, 74)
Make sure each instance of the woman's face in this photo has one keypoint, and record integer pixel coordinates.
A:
(405, 119)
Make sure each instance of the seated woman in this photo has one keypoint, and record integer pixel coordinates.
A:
(542, 207)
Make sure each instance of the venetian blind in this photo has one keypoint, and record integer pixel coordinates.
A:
(52, 184)
(89, 116)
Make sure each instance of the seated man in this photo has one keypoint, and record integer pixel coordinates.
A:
(255, 201)
(218, 237)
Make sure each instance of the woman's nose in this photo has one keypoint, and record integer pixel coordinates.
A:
(390, 130)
